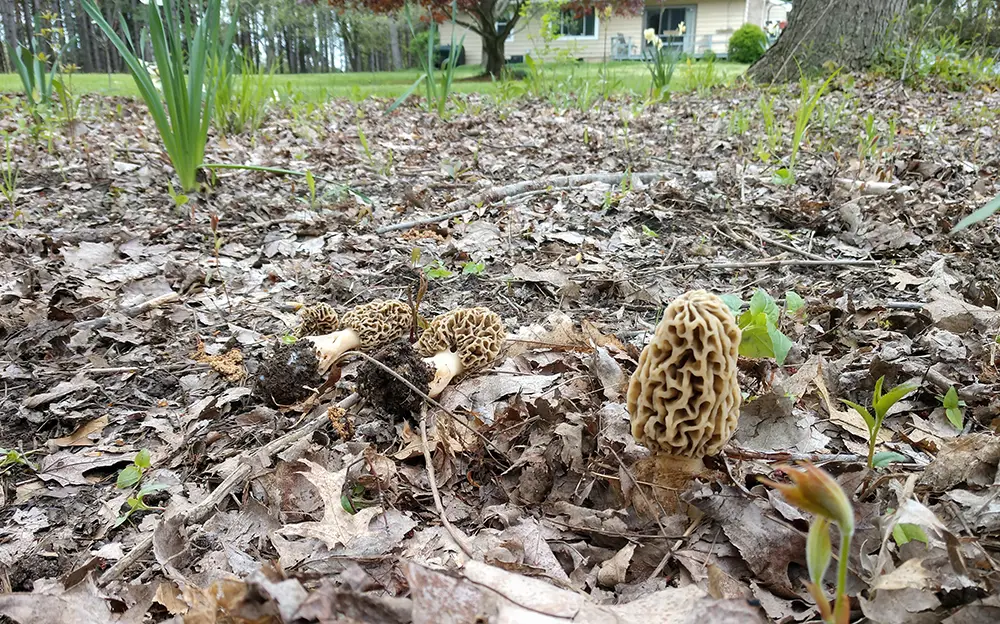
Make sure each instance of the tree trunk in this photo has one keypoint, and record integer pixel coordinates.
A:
(397, 54)
(849, 33)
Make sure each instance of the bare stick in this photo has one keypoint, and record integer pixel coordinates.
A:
(130, 312)
(769, 263)
(785, 246)
(199, 512)
(456, 535)
(490, 195)
(740, 453)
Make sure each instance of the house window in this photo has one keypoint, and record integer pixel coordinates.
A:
(502, 23)
(573, 24)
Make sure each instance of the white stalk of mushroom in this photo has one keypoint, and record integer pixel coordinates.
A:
(366, 327)
(459, 342)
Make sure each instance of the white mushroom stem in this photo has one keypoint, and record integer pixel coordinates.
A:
(446, 365)
(329, 347)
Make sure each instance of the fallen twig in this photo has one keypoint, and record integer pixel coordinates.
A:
(130, 312)
(459, 538)
(496, 193)
(740, 453)
(769, 263)
(785, 246)
(198, 513)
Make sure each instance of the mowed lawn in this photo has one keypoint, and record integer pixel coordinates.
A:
(625, 77)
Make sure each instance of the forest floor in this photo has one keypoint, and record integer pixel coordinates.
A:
(625, 78)
(128, 326)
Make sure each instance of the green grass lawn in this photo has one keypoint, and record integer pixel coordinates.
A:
(626, 76)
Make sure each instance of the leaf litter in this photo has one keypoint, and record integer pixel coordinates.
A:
(123, 331)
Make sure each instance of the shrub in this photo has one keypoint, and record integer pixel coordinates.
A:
(709, 55)
(747, 44)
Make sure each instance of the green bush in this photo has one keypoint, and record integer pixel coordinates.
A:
(418, 44)
(747, 44)
(709, 55)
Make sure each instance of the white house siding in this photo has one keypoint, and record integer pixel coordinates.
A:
(715, 21)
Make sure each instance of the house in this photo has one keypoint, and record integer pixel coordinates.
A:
(692, 26)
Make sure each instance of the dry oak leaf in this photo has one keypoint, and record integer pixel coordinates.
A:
(337, 526)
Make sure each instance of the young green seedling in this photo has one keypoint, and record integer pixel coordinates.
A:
(132, 474)
(953, 408)
(129, 477)
(138, 503)
(759, 324)
(12, 457)
(881, 403)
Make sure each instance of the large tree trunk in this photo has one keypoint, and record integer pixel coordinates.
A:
(493, 43)
(848, 32)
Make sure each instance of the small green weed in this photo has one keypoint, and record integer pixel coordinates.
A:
(473, 268)
(881, 403)
(8, 174)
(129, 477)
(437, 270)
(761, 335)
(953, 408)
(9, 458)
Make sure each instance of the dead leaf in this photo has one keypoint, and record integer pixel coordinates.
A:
(613, 571)
(65, 388)
(68, 468)
(850, 421)
(89, 255)
(86, 434)
(971, 458)
(910, 575)
(337, 526)
(55, 605)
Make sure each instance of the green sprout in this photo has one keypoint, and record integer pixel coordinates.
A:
(953, 408)
(437, 270)
(473, 268)
(138, 503)
(759, 324)
(132, 474)
(12, 457)
(881, 403)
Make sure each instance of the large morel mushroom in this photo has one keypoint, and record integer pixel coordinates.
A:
(684, 398)
(459, 342)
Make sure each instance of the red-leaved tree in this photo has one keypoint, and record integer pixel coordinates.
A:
(495, 20)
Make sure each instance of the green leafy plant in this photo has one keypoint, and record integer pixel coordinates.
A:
(243, 94)
(979, 215)
(473, 268)
(9, 458)
(438, 92)
(808, 99)
(881, 403)
(69, 101)
(138, 502)
(953, 408)
(129, 477)
(8, 174)
(437, 270)
(34, 66)
(759, 324)
(184, 111)
(747, 44)
(661, 61)
(813, 490)
(904, 532)
(132, 474)
(311, 185)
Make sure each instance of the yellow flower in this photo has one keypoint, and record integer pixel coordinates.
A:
(815, 491)
(607, 12)
(649, 34)
(42, 56)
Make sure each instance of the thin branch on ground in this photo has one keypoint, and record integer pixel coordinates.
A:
(769, 263)
(130, 312)
(459, 538)
(495, 194)
(740, 453)
(785, 246)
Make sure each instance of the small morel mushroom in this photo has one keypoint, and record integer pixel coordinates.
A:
(317, 320)
(367, 327)
(460, 342)
(684, 397)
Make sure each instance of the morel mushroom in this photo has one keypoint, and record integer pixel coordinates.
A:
(317, 320)
(458, 342)
(684, 398)
(367, 327)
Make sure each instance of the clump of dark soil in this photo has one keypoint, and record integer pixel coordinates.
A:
(290, 374)
(386, 393)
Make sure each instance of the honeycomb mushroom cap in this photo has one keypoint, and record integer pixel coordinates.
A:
(378, 322)
(317, 319)
(684, 398)
(476, 335)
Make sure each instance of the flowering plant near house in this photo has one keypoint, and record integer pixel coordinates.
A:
(660, 61)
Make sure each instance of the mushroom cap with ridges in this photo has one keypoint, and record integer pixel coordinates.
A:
(317, 319)
(684, 398)
(378, 322)
(476, 335)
